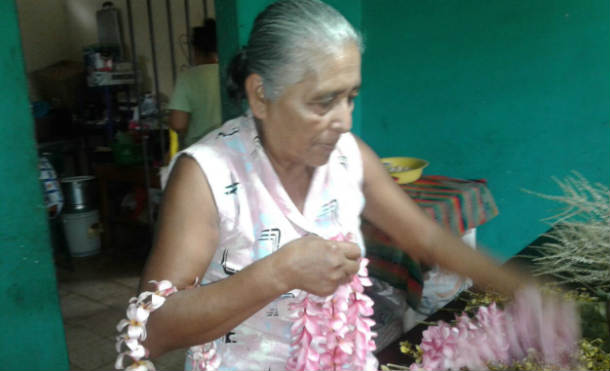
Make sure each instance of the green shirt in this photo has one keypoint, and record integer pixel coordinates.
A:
(197, 92)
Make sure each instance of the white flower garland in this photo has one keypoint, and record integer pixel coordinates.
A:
(132, 331)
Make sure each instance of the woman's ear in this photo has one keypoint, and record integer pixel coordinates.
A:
(256, 96)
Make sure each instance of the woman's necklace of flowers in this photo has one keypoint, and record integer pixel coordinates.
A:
(334, 331)
(133, 331)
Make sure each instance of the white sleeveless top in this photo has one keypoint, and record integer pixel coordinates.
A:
(257, 217)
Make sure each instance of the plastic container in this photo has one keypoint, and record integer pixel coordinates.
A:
(82, 231)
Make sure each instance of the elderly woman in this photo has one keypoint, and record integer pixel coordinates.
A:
(269, 205)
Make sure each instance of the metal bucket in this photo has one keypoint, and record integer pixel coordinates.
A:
(79, 193)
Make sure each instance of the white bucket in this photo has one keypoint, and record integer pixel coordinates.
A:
(82, 231)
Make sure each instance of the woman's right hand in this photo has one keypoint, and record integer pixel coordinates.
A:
(315, 265)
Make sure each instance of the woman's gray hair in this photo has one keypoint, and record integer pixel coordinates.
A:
(287, 41)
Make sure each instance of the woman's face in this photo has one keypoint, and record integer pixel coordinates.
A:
(303, 125)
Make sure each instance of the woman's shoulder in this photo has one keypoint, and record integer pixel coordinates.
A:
(230, 131)
(223, 143)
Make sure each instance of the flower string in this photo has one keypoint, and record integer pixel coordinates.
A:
(329, 333)
(530, 329)
(132, 331)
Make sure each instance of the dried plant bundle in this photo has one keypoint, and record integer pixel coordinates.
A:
(578, 246)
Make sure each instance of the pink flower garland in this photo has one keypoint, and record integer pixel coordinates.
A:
(330, 333)
(548, 329)
(134, 331)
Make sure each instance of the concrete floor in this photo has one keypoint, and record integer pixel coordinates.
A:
(94, 292)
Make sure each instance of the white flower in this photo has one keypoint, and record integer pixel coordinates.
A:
(137, 353)
(137, 315)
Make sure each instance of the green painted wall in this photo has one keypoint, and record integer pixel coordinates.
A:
(234, 22)
(511, 91)
(32, 336)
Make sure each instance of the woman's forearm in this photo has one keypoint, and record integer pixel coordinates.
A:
(394, 212)
(451, 253)
(199, 315)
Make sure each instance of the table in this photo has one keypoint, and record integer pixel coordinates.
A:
(458, 205)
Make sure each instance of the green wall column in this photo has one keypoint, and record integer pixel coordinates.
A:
(234, 20)
(32, 335)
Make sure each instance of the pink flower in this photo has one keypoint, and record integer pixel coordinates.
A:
(306, 334)
(439, 344)
(364, 304)
(547, 327)
(205, 357)
(492, 322)
(338, 321)
(333, 333)
(306, 359)
(363, 271)
(361, 280)
(417, 367)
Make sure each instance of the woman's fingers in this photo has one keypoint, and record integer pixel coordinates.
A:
(351, 268)
(319, 266)
(349, 249)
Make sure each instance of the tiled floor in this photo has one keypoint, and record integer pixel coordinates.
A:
(94, 292)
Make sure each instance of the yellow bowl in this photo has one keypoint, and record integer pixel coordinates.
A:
(404, 169)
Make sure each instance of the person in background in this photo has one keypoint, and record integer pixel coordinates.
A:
(268, 206)
(195, 103)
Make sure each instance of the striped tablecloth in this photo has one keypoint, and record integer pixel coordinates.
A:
(456, 204)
